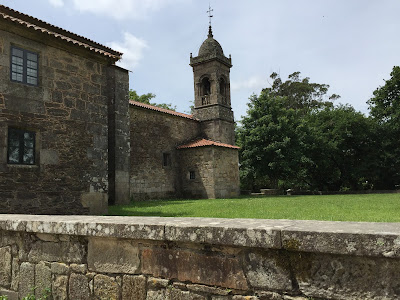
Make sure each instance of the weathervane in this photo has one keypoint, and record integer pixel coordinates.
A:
(209, 13)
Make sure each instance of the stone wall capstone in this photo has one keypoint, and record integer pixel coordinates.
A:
(145, 258)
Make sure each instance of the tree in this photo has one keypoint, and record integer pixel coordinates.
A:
(385, 110)
(293, 136)
(342, 149)
(145, 98)
(300, 93)
(270, 139)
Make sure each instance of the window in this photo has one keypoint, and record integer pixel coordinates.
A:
(166, 159)
(24, 66)
(21, 147)
(192, 175)
(205, 91)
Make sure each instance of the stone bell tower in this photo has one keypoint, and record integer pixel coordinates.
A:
(212, 94)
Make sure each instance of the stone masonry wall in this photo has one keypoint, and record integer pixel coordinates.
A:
(152, 134)
(81, 257)
(226, 172)
(199, 160)
(68, 113)
(216, 172)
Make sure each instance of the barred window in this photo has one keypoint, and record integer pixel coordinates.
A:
(24, 66)
(192, 175)
(21, 147)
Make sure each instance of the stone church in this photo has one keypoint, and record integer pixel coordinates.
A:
(71, 142)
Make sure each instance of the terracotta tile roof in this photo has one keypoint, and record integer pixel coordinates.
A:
(30, 22)
(203, 143)
(163, 110)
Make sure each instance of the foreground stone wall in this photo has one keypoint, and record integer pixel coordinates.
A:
(80, 257)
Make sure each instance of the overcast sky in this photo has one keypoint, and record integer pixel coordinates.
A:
(351, 45)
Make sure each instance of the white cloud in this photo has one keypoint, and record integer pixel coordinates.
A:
(120, 9)
(255, 83)
(57, 3)
(132, 48)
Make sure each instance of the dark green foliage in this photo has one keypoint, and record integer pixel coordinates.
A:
(294, 137)
(385, 110)
(145, 98)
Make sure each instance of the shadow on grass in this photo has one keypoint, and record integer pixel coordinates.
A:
(136, 208)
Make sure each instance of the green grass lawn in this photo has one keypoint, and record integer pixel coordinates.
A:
(369, 208)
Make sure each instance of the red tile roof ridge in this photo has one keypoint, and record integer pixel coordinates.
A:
(163, 110)
(205, 142)
(58, 32)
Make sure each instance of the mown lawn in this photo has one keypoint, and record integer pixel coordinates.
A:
(369, 208)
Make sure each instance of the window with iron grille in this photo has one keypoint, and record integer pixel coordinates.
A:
(21, 147)
(192, 175)
(24, 66)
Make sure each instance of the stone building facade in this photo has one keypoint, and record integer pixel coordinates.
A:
(191, 156)
(72, 143)
(62, 104)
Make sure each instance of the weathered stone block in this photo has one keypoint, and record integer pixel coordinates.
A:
(59, 268)
(268, 270)
(11, 295)
(42, 278)
(207, 289)
(113, 256)
(269, 296)
(346, 277)
(15, 274)
(134, 287)
(174, 294)
(61, 251)
(49, 157)
(81, 268)
(157, 283)
(96, 202)
(78, 287)
(59, 288)
(190, 266)
(106, 287)
(27, 279)
(5, 266)
(156, 295)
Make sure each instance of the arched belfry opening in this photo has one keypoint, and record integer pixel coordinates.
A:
(205, 91)
(222, 91)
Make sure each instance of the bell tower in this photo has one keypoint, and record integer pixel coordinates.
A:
(212, 95)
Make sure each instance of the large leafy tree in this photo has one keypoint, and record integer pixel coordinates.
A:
(342, 149)
(385, 109)
(271, 140)
(146, 98)
(274, 137)
(293, 136)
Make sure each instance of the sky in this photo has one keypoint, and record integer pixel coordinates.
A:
(351, 45)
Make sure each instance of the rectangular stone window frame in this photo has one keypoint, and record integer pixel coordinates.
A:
(166, 159)
(21, 147)
(192, 175)
(24, 66)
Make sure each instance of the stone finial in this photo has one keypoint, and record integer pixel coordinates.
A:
(210, 34)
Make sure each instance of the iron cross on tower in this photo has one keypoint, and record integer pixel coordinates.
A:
(209, 13)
